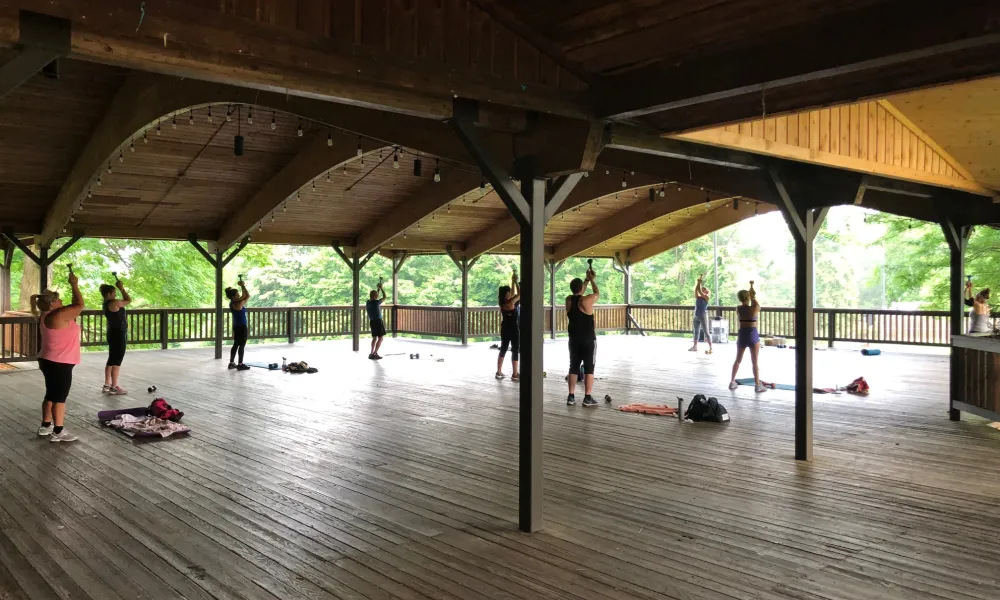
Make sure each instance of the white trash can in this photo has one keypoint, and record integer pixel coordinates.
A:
(720, 330)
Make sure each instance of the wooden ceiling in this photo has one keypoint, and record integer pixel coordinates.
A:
(964, 119)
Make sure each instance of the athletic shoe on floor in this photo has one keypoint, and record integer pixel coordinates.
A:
(62, 436)
(105, 389)
(570, 400)
(231, 366)
(376, 356)
(760, 389)
(733, 385)
(242, 367)
(45, 431)
(589, 401)
(117, 391)
(499, 376)
(516, 377)
(371, 357)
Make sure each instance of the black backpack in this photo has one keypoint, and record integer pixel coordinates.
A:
(706, 409)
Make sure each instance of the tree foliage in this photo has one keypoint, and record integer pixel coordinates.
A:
(853, 249)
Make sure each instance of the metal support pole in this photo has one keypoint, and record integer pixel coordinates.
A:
(715, 266)
(356, 303)
(532, 333)
(396, 264)
(553, 269)
(958, 238)
(43, 269)
(627, 282)
(464, 266)
(219, 326)
(8, 255)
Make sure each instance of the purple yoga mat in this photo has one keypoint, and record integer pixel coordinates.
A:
(109, 415)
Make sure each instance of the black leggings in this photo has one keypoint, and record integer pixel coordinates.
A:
(510, 336)
(117, 340)
(240, 333)
(58, 379)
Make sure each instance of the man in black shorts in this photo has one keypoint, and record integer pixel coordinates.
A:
(374, 308)
(582, 336)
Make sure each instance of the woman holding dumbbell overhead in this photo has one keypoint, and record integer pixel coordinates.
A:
(117, 333)
(510, 329)
(747, 337)
(59, 353)
(238, 310)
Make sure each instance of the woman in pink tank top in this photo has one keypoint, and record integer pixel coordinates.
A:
(60, 352)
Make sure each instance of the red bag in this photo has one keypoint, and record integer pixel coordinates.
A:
(161, 410)
(858, 387)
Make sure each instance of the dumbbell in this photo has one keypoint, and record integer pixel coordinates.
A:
(151, 389)
(607, 398)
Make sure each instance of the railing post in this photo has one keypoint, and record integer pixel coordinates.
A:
(831, 327)
(164, 328)
(290, 324)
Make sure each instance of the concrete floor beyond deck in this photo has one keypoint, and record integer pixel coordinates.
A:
(397, 479)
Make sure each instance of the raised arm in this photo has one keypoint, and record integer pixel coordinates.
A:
(381, 292)
(63, 316)
(969, 299)
(242, 300)
(125, 299)
(591, 299)
(697, 286)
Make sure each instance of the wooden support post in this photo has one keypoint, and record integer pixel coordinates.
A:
(804, 223)
(398, 258)
(290, 324)
(43, 269)
(8, 256)
(529, 206)
(553, 269)
(957, 237)
(465, 301)
(164, 329)
(831, 327)
(355, 264)
(625, 267)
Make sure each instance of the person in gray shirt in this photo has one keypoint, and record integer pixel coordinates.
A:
(701, 296)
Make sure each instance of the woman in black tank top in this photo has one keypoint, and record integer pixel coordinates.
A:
(510, 330)
(117, 334)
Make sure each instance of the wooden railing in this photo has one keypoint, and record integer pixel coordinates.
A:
(162, 327)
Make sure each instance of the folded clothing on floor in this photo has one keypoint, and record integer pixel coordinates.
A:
(144, 426)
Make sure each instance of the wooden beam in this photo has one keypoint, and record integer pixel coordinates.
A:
(628, 218)
(622, 137)
(145, 98)
(143, 233)
(597, 185)
(190, 41)
(853, 55)
(315, 158)
(42, 39)
(410, 211)
(719, 218)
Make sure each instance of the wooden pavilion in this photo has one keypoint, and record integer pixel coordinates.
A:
(552, 129)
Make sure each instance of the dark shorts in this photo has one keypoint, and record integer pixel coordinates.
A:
(117, 340)
(582, 351)
(58, 379)
(378, 328)
(746, 337)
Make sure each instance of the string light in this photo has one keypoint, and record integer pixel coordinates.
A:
(191, 117)
(131, 146)
(284, 206)
(98, 180)
(314, 185)
(755, 209)
(121, 157)
(145, 140)
(329, 139)
(229, 113)
(328, 177)
(210, 120)
(260, 227)
(298, 196)
(173, 122)
(482, 188)
(298, 132)
(437, 171)
(90, 194)
(109, 166)
(345, 168)
(607, 171)
(395, 159)
(250, 116)
(663, 190)
(157, 128)
(624, 183)
(274, 125)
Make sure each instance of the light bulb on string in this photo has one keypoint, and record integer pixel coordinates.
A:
(329, 139)
(157, 128)
(624, 183)
(360, 153)
(298, 132)
(298, 196)
(284, 207)
(345, 168)
(98, 180)
(755, 210)
(173, 122)
(395, 159)
(145, 140)
(663, 190)
(229, 113)
(437, 171)
(482, 188)
(210, 114)
(274, 125)
(191, 117)
(314, 185)
(607, 171)
(121, 157)
(260, 227)
(109, 166)
(90, 194)
(328, 177)
(131, 146)
(250, 116)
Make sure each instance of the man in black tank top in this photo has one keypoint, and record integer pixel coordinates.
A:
(582, 336)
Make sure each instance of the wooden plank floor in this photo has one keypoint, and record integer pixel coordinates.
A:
(398, 479)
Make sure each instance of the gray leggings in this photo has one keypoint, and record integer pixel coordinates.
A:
(701, 324)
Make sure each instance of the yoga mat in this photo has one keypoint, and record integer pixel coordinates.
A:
(871, 352)
(262, 365)
(772, 386)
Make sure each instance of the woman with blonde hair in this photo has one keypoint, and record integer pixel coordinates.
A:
(747, 337)
(59, 353)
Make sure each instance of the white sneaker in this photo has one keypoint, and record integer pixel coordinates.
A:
(62, 436)
(45, 431)
(759, 389)
(105, 389)
(733, 385)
